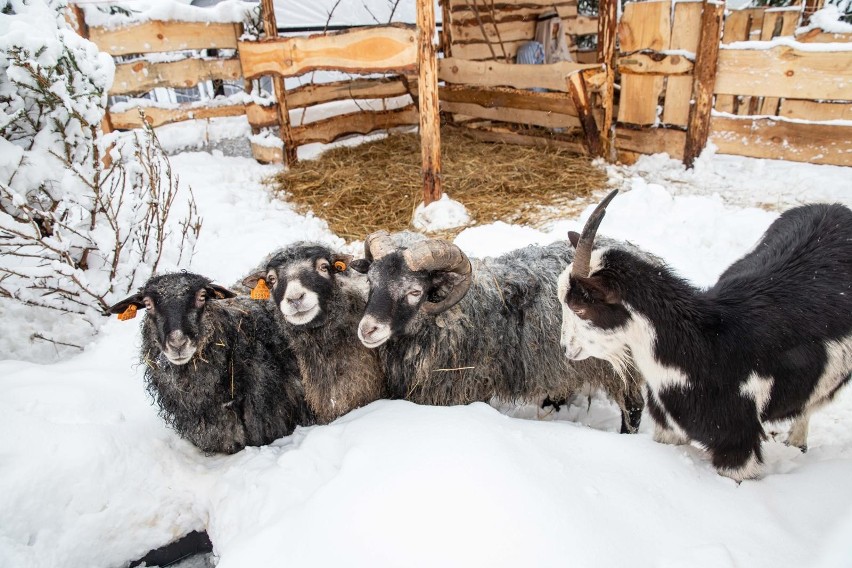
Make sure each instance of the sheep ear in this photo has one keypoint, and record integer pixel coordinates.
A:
(574, 237)
(251, 280)
(362, 265)
(219, 292)
(341, 262)
(121, 307)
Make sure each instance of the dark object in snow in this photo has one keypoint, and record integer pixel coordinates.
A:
(318, 302)
(449, 331)
(194, 543)
(218, 367)
(771, 340)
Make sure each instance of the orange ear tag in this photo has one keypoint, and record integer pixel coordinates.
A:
(129, 313)
(260, 291)
(339, 265)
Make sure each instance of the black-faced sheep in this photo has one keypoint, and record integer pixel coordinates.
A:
(217, 366)
(449, 331)
(771, 340)
(319, 301)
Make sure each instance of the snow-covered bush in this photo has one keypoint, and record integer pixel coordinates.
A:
(84, 218)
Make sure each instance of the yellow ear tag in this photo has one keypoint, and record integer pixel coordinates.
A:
(339, 265)
(128, 314)
(260, 291)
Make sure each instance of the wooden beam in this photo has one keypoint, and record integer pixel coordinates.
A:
(782, 140)
(698, 127)
(142, 76)
(580, 95)
(607, 32)
(655, 64)
(318, 93)
(158, 36)
(513, 115)
(495, 74)
(328, 130)
(381, 49)
(427, 100)
(785, 72)
(651, 141)
(154, 116)
(813, 110)
(508, 98)
(285, 129)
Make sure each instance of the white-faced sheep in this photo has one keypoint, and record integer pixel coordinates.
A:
(319, 301)
(771, 340)
(217, 366)
(449, 331)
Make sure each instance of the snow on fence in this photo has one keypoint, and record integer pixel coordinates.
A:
(769, 92)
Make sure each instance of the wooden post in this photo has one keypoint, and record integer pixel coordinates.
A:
(704, 80)
(270, 29)
(580, 95)
(427, 87)
(607, 29)
(446, 31)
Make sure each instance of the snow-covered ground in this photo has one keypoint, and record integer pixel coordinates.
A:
(89, 476)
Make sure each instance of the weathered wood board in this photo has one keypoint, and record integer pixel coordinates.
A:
(640, 96)
(142, 76)
(651, 141)
(381, 49)
(496, 74)
(314, 94)
(154, 116)
(328, 130)
(645, 25)
(160, 36)
(813, 110)
(509, 98)
(537, 118)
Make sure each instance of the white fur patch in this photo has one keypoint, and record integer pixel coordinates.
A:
(372, 332)
(837, 368)
(304, 309)
(751, 470)
(641, 337)
(759, 389)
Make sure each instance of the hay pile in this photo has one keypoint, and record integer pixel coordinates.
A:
(377, 185)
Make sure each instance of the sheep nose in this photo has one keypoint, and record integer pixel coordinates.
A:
(177, 340)
(368, 329)
(295, 300)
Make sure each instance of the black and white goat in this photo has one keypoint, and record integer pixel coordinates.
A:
(449, 331)
(319, 301)
(217, 365)
(771, 340)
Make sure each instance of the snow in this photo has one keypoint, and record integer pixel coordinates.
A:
(136, 11)
(440, 215)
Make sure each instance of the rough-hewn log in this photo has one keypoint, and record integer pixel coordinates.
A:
(328, 130)
(381, 49)
(513, 115)
(318, 93)
(577, 88)
(814, 110)
(705, 77)
(430, 115)
(508, 98)
(651, 141)
(270, 29)
(260, 116)
(158, 36)
(142, 76)
(506, 136)
(154, 116)
(782, 140)
(607, 31)
(495, 74)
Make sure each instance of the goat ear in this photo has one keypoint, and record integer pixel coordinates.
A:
(341, 262)
(600, 290)
(134, 300)
(362, 265)
(219, 292)
(251, 280)
(574, 237)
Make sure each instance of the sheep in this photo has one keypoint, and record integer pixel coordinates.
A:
(318, 302)
(771, 340)
(222, 375)
(449, 331)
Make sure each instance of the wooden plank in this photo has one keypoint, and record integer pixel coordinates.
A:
(818, 36)
(738, 25)
(686, 32)
(267, 154)
(686, 28)
(509, 98)
(466, 13)
(154, 116)
(581, 25)
(159, 36)
(698, 126)
(427, 102)
(537, 118)
(314, 94)
(655, 64)
(813, 110)
(261, 116)
(505, 136)
(785, 72)
(779, 22)
(142, 76)
(607, 32)
(330, 129)
(651, 141)
(640, 96)
(580, 95)
(381, 49)
(481, 51)
(781, 140)
(509, 31)
(551, 76)
(676, 105)
(645, 25)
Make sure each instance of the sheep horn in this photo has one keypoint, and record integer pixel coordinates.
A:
(377, 245)
(437, 254)
(583, 255)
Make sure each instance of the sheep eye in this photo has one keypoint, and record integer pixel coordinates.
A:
(271, 278)
(148, 303)
(323, 266)
(415, 293)
(200, 298)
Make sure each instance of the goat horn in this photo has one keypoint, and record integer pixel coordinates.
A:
(583, 255)
(437, 254)
(377, 245)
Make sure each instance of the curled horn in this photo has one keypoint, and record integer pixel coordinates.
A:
(437, 254)
(583, 255)
(377, 245)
